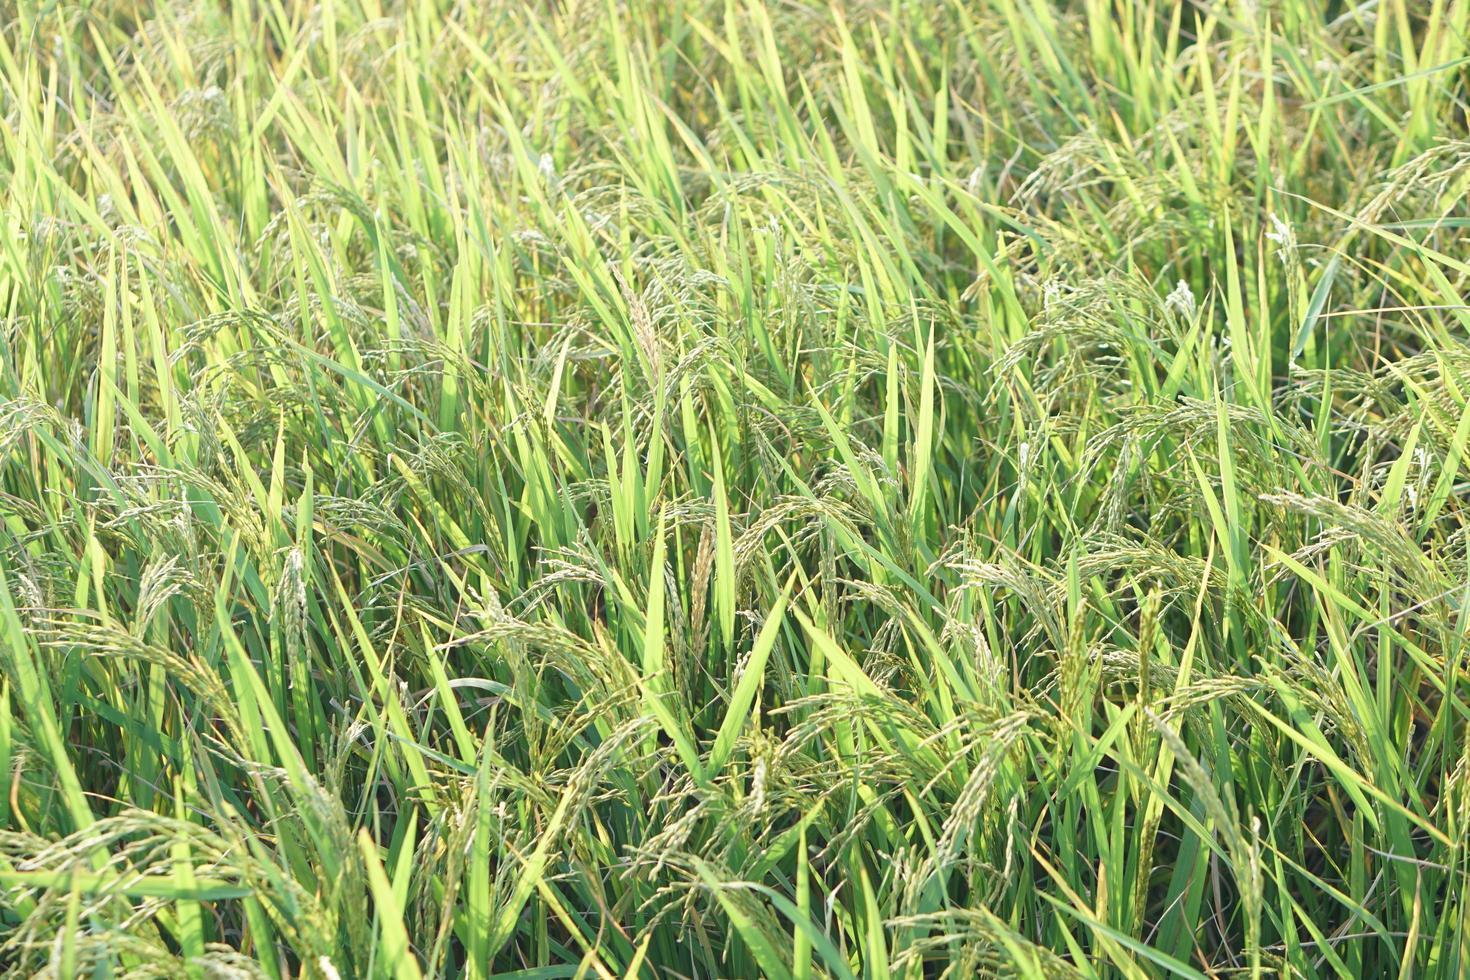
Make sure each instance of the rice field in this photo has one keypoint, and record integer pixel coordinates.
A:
(734, 488)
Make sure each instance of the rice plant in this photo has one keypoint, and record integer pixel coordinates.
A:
(734, 488)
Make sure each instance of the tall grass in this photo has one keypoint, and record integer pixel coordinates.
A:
(734, 487)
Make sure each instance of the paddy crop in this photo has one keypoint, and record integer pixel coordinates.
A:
(731, 488)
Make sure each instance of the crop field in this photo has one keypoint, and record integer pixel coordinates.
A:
(734, 488)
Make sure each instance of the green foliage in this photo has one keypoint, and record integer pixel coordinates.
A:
(733, 488)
